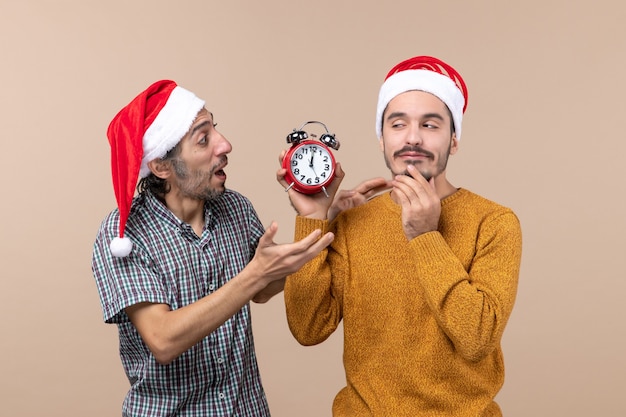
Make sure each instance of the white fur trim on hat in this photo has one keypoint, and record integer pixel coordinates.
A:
(428, 81)
(170, 125)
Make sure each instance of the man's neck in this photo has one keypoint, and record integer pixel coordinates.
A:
(443, 187)
(189, 210)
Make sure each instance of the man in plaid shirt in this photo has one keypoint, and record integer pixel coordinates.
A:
(177, 265)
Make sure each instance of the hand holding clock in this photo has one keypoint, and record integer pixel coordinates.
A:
(310, 205)
(321, 207)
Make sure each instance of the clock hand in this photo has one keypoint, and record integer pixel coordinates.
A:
(311, 164)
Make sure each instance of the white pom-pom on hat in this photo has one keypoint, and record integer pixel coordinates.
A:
(146, 129)
(121, 247)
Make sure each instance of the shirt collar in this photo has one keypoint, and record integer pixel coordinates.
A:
(166, 215)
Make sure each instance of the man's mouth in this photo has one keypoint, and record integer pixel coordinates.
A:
(219, 169)
(413, 156)
(220, 173)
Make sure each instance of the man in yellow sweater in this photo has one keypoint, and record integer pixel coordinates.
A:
(424, 276)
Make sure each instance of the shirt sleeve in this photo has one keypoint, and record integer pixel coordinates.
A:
(313, 295)
(472, 306)
(256, 230)
(123, 282)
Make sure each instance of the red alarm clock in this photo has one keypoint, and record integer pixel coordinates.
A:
(310, 164)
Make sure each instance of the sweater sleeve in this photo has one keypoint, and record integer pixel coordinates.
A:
(472, 306)
(312, 298)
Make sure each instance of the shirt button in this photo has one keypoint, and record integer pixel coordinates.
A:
(220, 360)
(211, 287)
(222, 396)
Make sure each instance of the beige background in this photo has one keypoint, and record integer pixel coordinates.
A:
(543, 134)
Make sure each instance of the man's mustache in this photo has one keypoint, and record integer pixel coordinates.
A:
(416, 149)
(221, 164)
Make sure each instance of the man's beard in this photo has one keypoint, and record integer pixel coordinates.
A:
(190, 183)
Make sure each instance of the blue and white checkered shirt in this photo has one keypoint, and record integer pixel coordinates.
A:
(170, 264)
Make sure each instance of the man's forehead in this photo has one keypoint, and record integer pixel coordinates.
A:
(203, 119)
(203, 116)
(203, 113)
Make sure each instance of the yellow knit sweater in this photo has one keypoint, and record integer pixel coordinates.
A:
(423, 318)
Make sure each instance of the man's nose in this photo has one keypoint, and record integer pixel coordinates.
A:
(414, 135)
(224, 146)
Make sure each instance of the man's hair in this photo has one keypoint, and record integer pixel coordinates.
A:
(452, 128)
(155, 185)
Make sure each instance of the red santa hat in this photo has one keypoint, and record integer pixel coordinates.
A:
(428, 74)
(146, 129)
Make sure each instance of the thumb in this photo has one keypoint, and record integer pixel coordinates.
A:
(268, 237)
(431, 181)
(339, 175)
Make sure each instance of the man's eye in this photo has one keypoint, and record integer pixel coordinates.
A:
(203, 139)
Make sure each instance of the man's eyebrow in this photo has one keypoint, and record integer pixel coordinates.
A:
(433, 116)
(424, 116)
(395, 114)
(198, 127)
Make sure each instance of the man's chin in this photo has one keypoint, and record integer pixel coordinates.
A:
(427, 175)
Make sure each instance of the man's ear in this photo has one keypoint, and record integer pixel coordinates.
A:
(454, 146)
(160, 168)
(381, 143)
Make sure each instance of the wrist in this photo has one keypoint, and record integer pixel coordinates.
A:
(251, 281)
(315, 216)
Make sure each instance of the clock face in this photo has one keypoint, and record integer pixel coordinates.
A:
(311, 164)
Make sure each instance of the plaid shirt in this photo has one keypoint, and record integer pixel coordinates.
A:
(170, 264)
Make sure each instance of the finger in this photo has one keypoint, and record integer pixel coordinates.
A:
(336, 182)
(343, 195)
(377, 190)
(403, 190)
(369, 185)
(426, 187)
(416, 174)
(318, 244)
(309, 239)
(306, 242)
(323, 241)
(281, 156)
(431, 182)
(339, 170)
(268, 237)
(280, 177)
